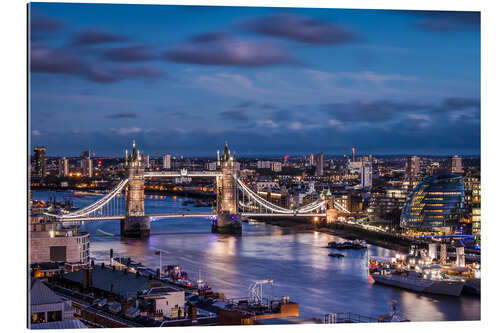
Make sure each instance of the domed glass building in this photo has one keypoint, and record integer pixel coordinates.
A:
(435, 203)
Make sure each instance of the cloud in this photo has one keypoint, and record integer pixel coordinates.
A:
(267, 106)
(301, 29)
(129, 53)
(444, 21)
(122, 115)
(234, 115)
(35, 133)
(119, 73)
(459, 103)
(44, 59)
(366, 76)
(220, 49)
(45, 24)
(127, 130)
(370, 111)
(96, 36)
(244, 104)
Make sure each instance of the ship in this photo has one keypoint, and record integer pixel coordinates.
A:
(428, 281)
(348, 245)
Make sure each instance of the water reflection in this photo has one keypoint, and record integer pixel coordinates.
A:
(298, 262)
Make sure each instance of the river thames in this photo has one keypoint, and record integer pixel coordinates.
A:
(297, 261)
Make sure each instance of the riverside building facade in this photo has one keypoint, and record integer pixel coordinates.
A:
(436, 204)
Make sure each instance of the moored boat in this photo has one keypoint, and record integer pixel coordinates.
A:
(433, 282)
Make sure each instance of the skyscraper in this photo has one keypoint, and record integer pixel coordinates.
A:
(146, 161)
(63, 167)
(320, 164)
(412, 166)
(86, 164)
(311, 159)
(366, 174)
(353, 154)
(455, 164)
(166, 162)
(39, 161)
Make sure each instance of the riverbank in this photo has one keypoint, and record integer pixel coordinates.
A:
(341, 230)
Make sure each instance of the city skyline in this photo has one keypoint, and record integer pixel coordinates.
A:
(386, 82)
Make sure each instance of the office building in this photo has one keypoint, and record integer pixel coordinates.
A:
(455, 164)
(167, 163)
(39, 161)
(63, 167)
(263, 164)
(320, 164)
(276, 166)
(87, 167)
(366, 175)
(412, 166)
(353, 154)
(145, 159)
(435, 204)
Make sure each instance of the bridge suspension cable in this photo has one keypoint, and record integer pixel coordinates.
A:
(96, 206)
(275, 208)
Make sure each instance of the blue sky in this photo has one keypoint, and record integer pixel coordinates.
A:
(182, 80)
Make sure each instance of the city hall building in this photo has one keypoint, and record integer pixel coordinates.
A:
(435, 204)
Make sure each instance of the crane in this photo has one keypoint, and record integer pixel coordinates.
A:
(255, 290)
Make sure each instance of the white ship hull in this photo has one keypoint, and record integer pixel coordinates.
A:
(441, 287)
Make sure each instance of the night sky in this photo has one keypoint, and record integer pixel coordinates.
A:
(182, 80)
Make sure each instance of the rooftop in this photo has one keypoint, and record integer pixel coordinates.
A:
(123, 284)
(41, 294)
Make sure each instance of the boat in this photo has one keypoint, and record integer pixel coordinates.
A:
(348, 245)
(336, 255)
(431, 281)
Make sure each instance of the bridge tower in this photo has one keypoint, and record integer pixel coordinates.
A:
(228, 220)
(135, 223)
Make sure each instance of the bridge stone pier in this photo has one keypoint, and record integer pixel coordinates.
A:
(228, 220)
(135, 224)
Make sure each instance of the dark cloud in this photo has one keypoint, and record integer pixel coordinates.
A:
(268, 106)
(119, 73)
(370, 111)
(45, 59)
(220, 49)
(45, 24)
(96, 36)
(244, 104)
(443, 21)
(459, 103)
(301, 29)
(122, 115)
(129, 53)
(234, 115)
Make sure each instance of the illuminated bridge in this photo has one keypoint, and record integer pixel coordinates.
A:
(235, 199)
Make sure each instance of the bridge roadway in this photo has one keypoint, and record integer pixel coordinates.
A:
(189, 214)
(182, 173)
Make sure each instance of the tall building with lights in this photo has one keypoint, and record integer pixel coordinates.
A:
(63, 167)
(320, 164)
(366, 175)
(167, 162)
(146, 161)
(86, 164)
(412, 166)
(455, 164)
(435, 204)
(39, 161)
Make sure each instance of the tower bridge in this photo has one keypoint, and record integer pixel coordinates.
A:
(125, 202)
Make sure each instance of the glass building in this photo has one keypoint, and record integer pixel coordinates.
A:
(435, 203)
